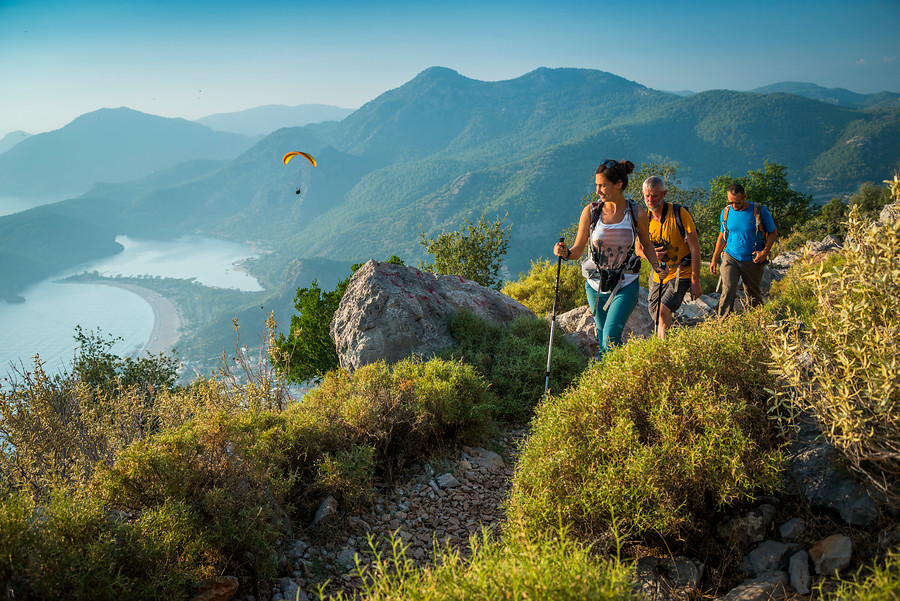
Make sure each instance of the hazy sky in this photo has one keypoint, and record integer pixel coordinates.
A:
(192, 58)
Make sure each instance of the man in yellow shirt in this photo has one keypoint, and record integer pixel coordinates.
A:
(674, 236)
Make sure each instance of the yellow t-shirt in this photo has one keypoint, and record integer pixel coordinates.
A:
(666, 235)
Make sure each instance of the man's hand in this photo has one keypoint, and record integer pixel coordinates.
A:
(695, 289)
(761, 256)
(714, 265)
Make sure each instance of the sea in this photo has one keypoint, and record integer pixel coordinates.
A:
(44, 325)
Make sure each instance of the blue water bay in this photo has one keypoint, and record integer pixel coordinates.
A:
(45, 323)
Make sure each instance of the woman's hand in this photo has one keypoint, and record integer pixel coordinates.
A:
(561, 250)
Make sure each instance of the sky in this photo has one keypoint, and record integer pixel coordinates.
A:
(192, 58)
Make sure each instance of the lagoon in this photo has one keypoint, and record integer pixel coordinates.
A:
(45, 323)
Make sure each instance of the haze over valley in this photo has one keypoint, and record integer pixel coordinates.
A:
(423, 157)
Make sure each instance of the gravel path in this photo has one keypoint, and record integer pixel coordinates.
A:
(443, 504)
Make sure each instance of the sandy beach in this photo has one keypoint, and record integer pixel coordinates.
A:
(166, 319)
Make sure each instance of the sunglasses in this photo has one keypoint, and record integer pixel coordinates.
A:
(609, 164)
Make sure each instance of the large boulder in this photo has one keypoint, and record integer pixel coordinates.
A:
(391, 312)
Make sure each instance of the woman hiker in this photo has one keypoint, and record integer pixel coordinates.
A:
(618, 232)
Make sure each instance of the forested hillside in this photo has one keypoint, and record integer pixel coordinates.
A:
(443, 148)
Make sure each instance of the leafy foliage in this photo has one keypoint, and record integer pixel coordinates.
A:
(514, 359)
(843, 367)
(309, 352)
(474, 252)
(96, 365)
(54, 430)
(654, 436)
(536, 289)
(520, 567)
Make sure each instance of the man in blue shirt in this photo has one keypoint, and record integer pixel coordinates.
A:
(746, 235)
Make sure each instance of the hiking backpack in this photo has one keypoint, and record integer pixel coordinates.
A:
(759, 226)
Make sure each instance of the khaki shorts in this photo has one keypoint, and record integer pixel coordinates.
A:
(672, 298)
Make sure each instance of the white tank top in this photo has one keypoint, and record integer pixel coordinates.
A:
(614, 241)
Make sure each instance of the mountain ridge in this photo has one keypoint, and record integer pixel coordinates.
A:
(443, 147)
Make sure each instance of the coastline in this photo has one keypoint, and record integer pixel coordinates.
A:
(166, 319)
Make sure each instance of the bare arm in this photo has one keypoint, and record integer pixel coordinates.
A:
(643, 240)
(720, 246)
(764, 253)
(584, 226)
(693, 242)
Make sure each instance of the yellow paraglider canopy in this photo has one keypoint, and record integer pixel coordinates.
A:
(305, 155)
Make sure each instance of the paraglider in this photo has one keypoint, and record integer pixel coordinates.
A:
(305, 155)
(287, 158)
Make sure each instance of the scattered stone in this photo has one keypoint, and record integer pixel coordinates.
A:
(766, 557)
(831, 554)
(447, 481)
(798, 570)
(328, 508)
(792, 529)
(218, 589)
(347, 558)
(772, 586)
(289, 591)
(489, 460)
(665, 578)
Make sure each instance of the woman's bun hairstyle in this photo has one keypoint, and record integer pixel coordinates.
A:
(616, 171)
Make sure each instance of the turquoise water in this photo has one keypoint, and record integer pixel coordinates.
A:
(45, 323)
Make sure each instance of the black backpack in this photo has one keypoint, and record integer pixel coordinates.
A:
(609, 278)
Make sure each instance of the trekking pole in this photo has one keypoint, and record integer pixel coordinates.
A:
(659, 300)
(553, 322)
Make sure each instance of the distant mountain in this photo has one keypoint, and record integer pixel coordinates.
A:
(837, 96)
(11, 139)
(109, 145)
(443, 148)
(263, 120)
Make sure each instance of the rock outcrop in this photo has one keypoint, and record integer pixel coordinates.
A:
(391, 312)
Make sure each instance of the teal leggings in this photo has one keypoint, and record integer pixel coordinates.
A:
(611, 323)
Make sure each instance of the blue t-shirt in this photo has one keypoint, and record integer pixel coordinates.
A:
(743, 238)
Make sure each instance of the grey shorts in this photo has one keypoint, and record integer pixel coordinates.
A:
(672, 298)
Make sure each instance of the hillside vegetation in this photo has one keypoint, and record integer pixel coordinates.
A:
(443, 148)
(115, 481)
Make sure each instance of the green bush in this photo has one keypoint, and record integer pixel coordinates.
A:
(794, 297)
(72, 548)
(536, 289)
(224, 502)
(548, 567)
(514, 359)
(843, 367)
(474, 252)
(654, 436)
(881, 583)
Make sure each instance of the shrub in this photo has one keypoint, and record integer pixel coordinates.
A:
(793, 297)
(653, 436)
(474, 252)
(71, 547)
(535, 290)
(222, 499)
(882, 583)
(56, 430)
(843, 367)
(546, 567)
(514, 359)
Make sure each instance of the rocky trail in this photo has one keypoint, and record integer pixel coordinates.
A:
(436, 505)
